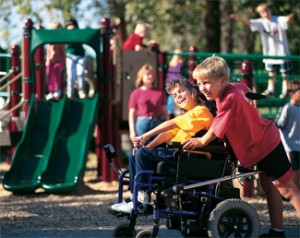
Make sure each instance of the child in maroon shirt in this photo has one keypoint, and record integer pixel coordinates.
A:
(255, 140)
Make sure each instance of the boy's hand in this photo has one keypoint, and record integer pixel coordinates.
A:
(192, 143)
(138, 142)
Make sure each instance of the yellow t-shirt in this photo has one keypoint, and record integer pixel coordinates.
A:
(199, 118)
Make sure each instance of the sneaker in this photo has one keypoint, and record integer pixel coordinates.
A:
(81, 94)
(282, 96)
(116, 206)
(49, 96)
(142, 208)
(273, 233)
(268, 93)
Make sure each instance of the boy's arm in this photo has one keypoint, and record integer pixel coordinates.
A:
(193, 143)
(289, 17)
(163, 127)
(237, 18)
(161, 138)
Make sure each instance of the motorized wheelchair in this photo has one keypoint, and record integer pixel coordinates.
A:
(194, 193)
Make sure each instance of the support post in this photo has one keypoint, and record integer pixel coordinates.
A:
(28, 82)
(192, 63)
(104, 134)
(15, 93)
(40, 71)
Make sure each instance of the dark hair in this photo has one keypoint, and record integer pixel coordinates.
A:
(187, 84)
(294, 86)
(71, 22)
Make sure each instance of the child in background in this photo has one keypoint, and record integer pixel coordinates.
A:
(76, 64)
(55, 67)
(254, 139)
(175, 71)
(274, 43)
(288, 121)
(134, 41)
(147, 105)
(197, 117)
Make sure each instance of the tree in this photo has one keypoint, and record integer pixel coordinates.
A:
(174, 23)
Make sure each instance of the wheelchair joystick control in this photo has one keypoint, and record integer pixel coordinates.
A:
(110, 151)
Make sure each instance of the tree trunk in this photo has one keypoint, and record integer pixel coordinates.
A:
(212, 26)
(226, 26)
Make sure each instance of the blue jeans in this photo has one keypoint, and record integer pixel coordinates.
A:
(144, 124)
(145, 159)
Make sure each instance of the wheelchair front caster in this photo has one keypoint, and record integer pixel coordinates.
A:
(123, 230)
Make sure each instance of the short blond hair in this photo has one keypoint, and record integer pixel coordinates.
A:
(142, 28)
(262, 7)
(213, 67)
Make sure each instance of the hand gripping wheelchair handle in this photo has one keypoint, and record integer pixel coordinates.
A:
(255, 96)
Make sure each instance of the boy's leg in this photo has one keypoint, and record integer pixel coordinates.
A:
(284, 86)
(269, 92)
(295, 160)
(271, 69)
(290, 191)
(285, 68)
(274, 201)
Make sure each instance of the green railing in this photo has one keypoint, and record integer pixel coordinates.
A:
(269, 107)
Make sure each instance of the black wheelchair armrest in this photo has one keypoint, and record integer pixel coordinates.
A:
(212, 148)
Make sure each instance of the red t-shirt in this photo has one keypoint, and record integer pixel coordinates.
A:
(131, 41)
(251, 136)
(148, 102)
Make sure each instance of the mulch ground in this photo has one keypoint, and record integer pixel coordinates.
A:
(85, 208)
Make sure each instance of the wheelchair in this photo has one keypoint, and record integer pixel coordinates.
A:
(194, 194)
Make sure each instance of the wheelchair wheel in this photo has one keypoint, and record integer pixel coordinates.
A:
(233, 218)
(123, 230)
(145, 234)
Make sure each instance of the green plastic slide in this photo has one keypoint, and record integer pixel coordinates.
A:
(68, 158)
(32, 152)
(54, 146)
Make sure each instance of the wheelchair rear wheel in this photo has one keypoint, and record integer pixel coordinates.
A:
(123, 230)
(233, 218)
(145, 234)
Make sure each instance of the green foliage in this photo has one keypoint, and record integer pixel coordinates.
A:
(174, 23)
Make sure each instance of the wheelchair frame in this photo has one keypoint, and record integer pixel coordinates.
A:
(206, 207)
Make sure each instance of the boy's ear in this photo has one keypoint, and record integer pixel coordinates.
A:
(224, 79)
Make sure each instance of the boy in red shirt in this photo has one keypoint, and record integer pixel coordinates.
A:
(254, 139)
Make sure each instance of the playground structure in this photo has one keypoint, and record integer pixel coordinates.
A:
(113, 79)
